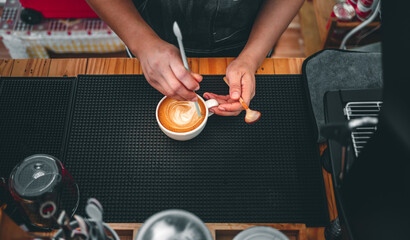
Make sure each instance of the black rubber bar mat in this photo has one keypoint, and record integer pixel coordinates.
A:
(33, 118)
(232, 172)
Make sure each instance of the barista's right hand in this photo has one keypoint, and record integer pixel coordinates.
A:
(164, 70)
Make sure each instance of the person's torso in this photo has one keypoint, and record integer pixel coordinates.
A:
(208, 26)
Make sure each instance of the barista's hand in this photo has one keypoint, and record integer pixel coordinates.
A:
(222, 100)
(164, 70)
(241, 77)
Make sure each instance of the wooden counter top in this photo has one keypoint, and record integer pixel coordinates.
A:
(74, 67)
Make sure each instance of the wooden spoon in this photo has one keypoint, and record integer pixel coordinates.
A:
(251, 115)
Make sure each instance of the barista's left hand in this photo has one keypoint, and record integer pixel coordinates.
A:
(241, 77)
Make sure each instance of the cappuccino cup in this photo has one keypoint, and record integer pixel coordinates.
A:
(179, 119)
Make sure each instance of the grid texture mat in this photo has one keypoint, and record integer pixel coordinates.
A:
(232, 172)
(33, 118)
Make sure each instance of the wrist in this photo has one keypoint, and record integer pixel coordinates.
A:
(250, 60)
(255, 53)
(144, 41)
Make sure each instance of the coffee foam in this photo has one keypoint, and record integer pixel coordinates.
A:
(180, 116)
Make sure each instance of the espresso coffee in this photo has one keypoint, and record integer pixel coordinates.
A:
(180, 116)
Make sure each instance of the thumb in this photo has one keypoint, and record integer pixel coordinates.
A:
(234, 86)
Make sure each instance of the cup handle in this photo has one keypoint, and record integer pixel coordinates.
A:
(210, 104)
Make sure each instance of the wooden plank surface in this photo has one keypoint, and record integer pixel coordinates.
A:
(6, 65)
(331, 201)
(288, 65)
(108, 65)
(132, 66)
(213, 66)
(219, 231)
(9, 229)
(126, 230)
(225, 231)
(266, 67)
(218, 66)
(67, 67)
(323, 10)
(316, 233)
(309, 29)
(31, 68)
(193, 64)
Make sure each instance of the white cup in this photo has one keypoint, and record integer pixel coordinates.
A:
(193, 133)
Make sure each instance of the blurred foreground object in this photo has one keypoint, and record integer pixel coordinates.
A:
(173, 224)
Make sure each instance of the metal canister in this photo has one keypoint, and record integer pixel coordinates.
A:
(173, 224)
(43, 188)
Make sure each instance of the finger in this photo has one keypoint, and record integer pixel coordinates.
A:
(224, 98)
(176, 90)
(226, 103)
(176, 97)
(234, 80)
(225, 113)
(213, 109)
(184, 76)
(248, 88)
(206, 96)
(159, 88)
(167, 84)
(198, 77)
(231, 107)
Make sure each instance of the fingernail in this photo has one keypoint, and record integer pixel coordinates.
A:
(194, 99)
(206, 96)
(221, 108)
(196, 89)
(235, 95)
(211, 110)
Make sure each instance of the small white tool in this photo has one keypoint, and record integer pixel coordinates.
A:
(178, 34)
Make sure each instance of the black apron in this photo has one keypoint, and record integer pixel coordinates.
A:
(210, 28)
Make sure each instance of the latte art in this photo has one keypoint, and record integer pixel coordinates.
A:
(182, 113)
(180, 116)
